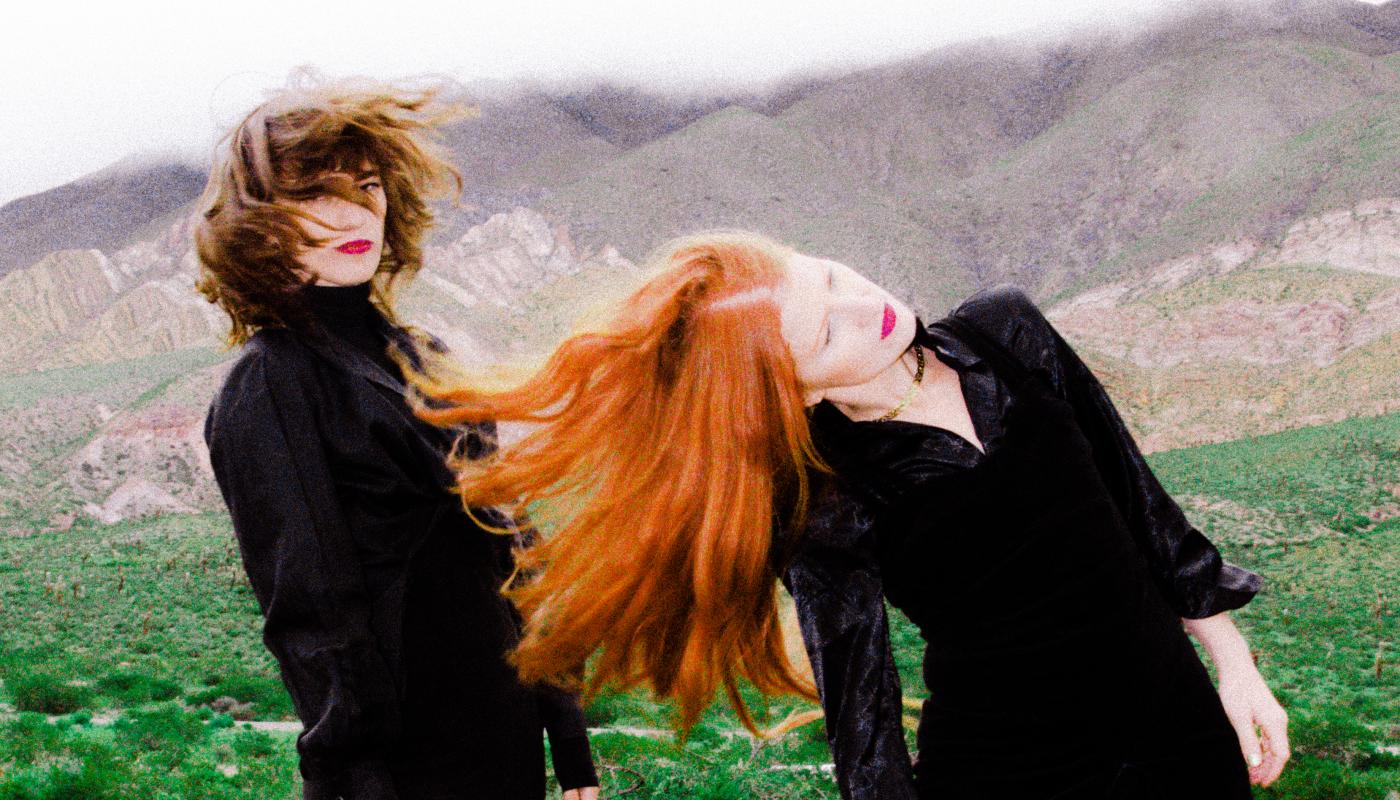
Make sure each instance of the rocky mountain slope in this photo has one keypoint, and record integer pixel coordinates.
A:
(1207, 209)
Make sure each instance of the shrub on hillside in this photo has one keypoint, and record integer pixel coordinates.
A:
(166, 733)
(267, 695)
(136, 687)
(47, 694)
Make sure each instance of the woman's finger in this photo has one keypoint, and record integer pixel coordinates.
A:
(1276, 749)
(1243, 723)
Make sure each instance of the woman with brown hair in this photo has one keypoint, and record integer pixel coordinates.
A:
(752, 412)
(379, 590)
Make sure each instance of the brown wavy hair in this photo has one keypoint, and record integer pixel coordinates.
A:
(669, 443)
(309, 140)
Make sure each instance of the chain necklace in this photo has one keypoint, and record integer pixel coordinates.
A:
(913, 390)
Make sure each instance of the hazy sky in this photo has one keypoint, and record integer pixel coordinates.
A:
(83, 85)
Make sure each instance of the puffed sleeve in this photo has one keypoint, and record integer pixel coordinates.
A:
(1186, 565)
(834, 579)
(296, 548)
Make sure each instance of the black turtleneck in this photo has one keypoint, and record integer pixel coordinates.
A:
(347, 315)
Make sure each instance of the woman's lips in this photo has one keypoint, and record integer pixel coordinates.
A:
(888, 324)
(356, 247)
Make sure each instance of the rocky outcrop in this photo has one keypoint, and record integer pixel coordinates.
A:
(503, 260)
(1246, 338)
(1365, 238)
(487, 294)
(151, 458)
(1315, 332)
(84, 306)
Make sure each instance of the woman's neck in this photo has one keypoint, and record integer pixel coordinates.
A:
(874, 398)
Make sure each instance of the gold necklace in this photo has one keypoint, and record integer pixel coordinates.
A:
(913, 390)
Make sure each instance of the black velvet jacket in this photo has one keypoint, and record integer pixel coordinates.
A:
(380, 594)
(834, 575)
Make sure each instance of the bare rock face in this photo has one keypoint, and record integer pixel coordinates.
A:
(481, 291)
(148, 461)
(1246, 338)
(505, 258)
(1169, 316)
(1365, 238)
(135, 498)
(1315, 332)
(84, 306)
(60, 292)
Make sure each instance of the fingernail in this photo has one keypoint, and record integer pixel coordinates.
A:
(1255, 761)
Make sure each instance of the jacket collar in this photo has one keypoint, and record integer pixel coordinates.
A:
(357, 363)
(952, 350)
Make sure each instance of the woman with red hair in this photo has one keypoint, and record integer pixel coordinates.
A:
(753, 412)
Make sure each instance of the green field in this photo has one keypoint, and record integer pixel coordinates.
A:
(131, 655)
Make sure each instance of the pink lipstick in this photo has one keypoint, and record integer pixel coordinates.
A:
(356, 247)
(888, 324)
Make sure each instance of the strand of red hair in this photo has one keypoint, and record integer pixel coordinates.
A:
(667, 445)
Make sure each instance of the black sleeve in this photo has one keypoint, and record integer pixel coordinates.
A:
(835, 581)
(568, 738)
(272, 470)
(560, 711)
(1187, 566)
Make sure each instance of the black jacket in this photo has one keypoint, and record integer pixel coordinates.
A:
(380, 594)
(834, 574)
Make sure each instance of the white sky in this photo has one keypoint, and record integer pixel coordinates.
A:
(84, 84)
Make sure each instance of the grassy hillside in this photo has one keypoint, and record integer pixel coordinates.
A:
(1354, 152)
(151, 623)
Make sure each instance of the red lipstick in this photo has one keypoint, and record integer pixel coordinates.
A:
(888, 324)
(356, 247)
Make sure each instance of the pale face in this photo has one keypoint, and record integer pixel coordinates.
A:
(355, 239)
(843, 330)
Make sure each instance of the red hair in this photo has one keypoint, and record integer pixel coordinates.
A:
(670, 443)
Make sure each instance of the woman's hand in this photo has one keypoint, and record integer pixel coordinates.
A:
(1258, 719)
(586, 793)
(1260, 723)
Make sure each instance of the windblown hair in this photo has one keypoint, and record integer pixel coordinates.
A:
(310, 140)
(671, 443)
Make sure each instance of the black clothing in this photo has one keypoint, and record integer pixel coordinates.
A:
(1047, 576)
(379, 592)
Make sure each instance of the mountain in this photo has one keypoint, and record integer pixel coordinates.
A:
(1207, 207)
(739, 168)
(106, 210)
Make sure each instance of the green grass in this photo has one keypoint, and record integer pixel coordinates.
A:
(28, 388)
(160, 753)
(147, 623)
(140, 611)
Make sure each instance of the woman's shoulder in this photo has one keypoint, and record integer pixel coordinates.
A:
(1000, 309)
(1008, 316)
(273, 359)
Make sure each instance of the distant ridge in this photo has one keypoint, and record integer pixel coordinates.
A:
(107, 210)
